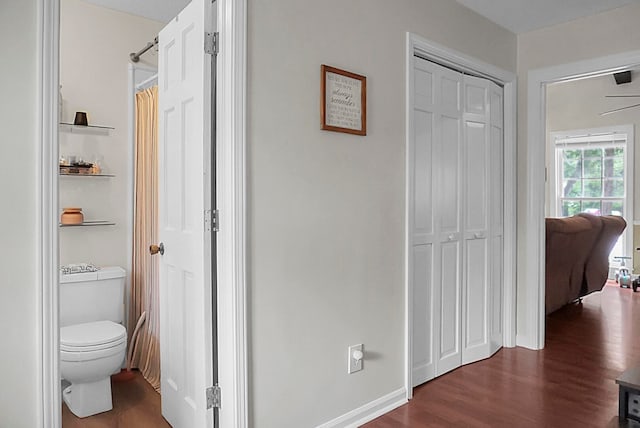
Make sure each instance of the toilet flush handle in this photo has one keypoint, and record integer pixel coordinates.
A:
(155, 249)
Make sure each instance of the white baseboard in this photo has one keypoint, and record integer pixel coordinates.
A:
(369, 411)
(526, 342)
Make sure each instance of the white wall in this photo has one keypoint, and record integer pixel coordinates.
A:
(19, 310)
(326, 210)
(95, 43)
(592, 37)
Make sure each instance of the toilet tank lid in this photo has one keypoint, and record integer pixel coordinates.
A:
(108, 272)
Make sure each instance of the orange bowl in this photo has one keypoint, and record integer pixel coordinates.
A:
(72, 217)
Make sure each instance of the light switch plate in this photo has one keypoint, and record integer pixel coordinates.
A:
(355, 365)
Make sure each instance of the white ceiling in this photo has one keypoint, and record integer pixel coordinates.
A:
(158, 10)
(520, 16)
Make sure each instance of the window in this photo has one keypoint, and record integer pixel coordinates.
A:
(592, 179)
(593, 174)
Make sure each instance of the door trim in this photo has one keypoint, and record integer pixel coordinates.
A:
(49, 405)
(532, 333)
(416, 45)
(231, 167)
(231, 173)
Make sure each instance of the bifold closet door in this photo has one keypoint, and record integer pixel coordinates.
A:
(455, 218)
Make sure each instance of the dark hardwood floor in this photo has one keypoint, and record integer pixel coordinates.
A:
(571, 383)
(135, 405)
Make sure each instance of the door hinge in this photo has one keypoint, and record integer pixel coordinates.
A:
(213, 397)
(211, 221)
(211, 43)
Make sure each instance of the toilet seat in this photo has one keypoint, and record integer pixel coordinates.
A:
(89, 341)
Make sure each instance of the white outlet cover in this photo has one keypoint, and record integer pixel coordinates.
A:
(353, 364)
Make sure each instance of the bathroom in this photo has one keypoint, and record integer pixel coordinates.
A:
(97, 179)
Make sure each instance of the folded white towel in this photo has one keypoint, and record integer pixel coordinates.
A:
(78, 268)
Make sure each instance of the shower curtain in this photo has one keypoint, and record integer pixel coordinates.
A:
(144, 281)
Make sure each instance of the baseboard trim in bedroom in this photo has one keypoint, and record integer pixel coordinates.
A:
(369, 411)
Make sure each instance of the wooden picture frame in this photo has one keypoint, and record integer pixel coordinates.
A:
(343, 105)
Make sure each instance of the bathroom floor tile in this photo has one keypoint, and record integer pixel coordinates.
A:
(135, 405)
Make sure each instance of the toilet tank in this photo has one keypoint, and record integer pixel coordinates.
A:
(92, 296)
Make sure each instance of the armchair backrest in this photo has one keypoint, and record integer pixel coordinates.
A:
(569, 242)
(596, 269)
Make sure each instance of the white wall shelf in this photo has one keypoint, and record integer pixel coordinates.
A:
(66, 174)
(90, 224)
(88, 130)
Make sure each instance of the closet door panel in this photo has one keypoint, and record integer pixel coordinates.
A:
(497, 181)
(449, 349)
(449, 166)
(496, 105)
(449, 100)
(475, 97)
(476, 324)
(423, 221)
(475, 206)
(422, 279)
(423, 79)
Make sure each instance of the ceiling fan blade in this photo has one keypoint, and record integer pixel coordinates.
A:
(619, 109)
(622, 96)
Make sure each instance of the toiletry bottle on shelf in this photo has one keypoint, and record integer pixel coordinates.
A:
(96, 167)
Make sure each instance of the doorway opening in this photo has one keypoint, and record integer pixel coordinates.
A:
(96, 152)
(533, 270)
(231, 166)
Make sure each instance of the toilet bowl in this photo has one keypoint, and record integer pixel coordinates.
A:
(89, 354)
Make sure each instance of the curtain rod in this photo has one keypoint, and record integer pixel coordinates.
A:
(135, 56)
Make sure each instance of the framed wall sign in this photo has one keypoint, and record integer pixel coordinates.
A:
(343, 102)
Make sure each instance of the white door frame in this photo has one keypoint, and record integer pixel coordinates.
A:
(231, 238)
(449, 57)
(532, 335)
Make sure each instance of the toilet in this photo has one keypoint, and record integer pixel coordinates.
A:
(93, 340)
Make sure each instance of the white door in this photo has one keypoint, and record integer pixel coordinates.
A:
(184, 79)
(455, 220)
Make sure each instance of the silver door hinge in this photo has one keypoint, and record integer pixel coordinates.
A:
(211, 221)
(213, 397)
(211, 43)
